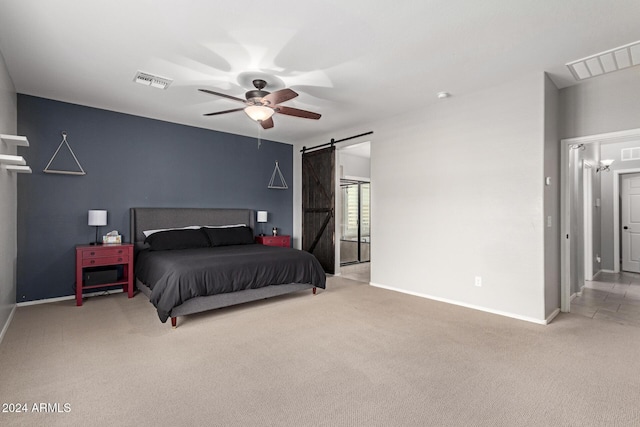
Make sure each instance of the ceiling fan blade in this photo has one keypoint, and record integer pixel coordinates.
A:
(296, 112)
(223, 112)
(222, 95)
(280, 96)
(267, 124)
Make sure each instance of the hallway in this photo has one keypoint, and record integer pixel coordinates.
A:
(611, 296)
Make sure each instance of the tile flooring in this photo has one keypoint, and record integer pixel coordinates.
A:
(359, 272)
(610, 296)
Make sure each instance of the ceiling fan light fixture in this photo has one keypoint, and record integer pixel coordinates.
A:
(259, 112)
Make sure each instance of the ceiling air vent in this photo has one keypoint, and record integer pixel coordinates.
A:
(606, 62)
(151, 80)
(630, 153)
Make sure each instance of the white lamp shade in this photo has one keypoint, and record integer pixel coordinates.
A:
(262, 216)
(97, 217)
(259, 112)
(606, 162)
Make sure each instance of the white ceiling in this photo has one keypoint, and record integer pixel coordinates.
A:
(353, 61)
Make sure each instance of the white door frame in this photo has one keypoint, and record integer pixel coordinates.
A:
(565, 205)
(587, 209)
(616, 215)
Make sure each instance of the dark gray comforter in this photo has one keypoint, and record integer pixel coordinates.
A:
(176, 276)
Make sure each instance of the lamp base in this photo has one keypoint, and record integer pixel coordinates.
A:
(95, 243)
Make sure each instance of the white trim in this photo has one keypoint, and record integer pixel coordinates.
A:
(68, 297)
(616, 215)
(552, 316)
(565, 206)
(5, 328)
(608, 138)
(587, 211)
(462, 304)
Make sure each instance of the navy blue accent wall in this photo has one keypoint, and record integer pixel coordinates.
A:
(129, 161)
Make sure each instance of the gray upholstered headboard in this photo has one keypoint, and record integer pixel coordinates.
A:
(154, 218)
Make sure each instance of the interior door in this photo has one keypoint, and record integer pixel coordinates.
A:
(630, 221)
(318, 206)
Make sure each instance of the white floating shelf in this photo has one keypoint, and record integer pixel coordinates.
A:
(8, 159)
(18, 168)
(20, 141)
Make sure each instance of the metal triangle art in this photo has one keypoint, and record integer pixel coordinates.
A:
(283, 183)
(64, 172)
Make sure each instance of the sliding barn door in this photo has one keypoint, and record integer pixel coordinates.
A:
(318, 204)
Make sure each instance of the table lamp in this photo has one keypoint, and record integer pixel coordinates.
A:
(262, 218)
(97, 219)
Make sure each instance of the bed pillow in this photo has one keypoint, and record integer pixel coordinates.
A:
(148, 233)
(177, 239)
(229, 236)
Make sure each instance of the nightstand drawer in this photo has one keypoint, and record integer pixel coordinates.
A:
(89, 262)
(103, 252)
(284, 241)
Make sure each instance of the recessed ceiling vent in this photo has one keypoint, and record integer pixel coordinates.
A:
(606, 62)
(151, 80)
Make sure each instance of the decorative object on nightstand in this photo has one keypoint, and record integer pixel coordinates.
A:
(282, 241)
(96, 267)
(97, 219)
(112, 237)
(261, 219)
(274, 231)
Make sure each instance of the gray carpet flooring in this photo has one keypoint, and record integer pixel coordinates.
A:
(353, 355)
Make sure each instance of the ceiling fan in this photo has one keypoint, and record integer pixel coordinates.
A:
(260, 105)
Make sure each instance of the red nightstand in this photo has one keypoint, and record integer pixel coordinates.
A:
(284, 241)
(102, 256)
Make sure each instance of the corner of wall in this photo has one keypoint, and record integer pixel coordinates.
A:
(8, 208)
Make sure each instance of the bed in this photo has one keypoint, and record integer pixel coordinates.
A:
(182, 274)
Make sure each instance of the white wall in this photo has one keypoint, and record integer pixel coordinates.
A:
(551, 198)
(354, 166)
(460, 195)
(608, 103)
(8, 195)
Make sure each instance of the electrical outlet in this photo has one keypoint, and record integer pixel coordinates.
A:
(478, 281)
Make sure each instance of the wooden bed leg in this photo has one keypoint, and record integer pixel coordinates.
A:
(314, 290)
(174, 321)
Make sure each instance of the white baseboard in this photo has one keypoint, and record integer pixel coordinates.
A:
(552, 316)
(7, 323)
(68, 297)
(474, 307)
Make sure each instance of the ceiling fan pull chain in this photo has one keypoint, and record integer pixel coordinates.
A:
(259, 135)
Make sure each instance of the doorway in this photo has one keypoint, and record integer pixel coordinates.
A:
(630, 221)
(572, 234)
(355, 236)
